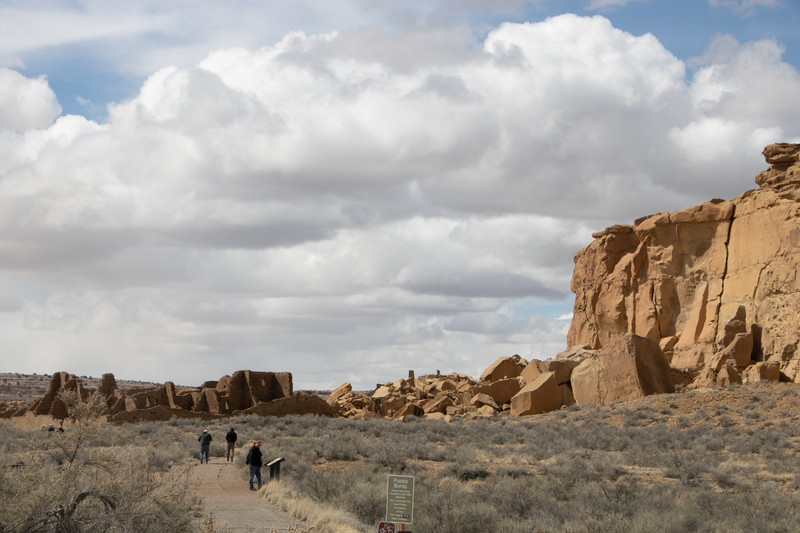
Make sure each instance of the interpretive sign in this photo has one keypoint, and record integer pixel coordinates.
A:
(387, 527)
(400, 500)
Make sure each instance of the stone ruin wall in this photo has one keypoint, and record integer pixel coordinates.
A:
(246, 391)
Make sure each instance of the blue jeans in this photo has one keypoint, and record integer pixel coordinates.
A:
(255, 471)
(204, 451)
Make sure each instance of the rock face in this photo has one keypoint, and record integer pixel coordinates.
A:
(245, 392)
(630, 368)
(720, 276)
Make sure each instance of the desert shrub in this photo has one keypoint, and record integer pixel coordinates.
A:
(515, 498)
(344, 447)
(686, 469)
(464, 472)
(451, 508)
(323, 486)
(606, 468)
(510, 471)
(729, 477)
(746, 445)
(67, 485)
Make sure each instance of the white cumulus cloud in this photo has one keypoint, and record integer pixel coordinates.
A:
(349, 212)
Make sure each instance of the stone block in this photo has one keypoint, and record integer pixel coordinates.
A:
(503, 368)
(540, 396)
(500, 391)
(632, 367)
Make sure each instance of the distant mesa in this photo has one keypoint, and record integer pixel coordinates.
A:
(245, 392)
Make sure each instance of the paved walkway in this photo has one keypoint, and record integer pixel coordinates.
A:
(233, 506)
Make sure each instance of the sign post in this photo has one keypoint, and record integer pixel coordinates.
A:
(400, 500)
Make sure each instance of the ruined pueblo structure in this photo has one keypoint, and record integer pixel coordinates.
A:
(244, 392)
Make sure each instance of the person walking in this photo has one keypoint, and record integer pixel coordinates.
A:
(230, 438)
(205, 445)
(253, 460)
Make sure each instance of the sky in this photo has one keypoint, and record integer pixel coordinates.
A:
(351, 189)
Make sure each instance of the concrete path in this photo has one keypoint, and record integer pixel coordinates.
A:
(231, 503)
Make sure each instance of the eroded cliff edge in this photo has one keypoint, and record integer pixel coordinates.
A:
(712, 284)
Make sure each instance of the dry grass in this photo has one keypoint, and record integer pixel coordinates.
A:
(724, 460)
(321, 517)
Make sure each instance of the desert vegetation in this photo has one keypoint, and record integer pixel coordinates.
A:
(722, 460)
(91, 478)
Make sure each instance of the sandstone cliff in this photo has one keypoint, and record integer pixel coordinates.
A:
(715, 285)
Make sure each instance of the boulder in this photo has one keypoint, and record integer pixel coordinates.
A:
(439, 404)
(531, 371)
(500, 391)
(632, 367)
(503, 368)
(561, 368)
(391, 405)
(446, 385)
(481, 399)
(338, 392)
(381, 392)
(762, 371)
(487, 410)
(409, 409)
(540, 396)
(728, 375)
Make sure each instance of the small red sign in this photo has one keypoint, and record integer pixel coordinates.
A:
(387, 527)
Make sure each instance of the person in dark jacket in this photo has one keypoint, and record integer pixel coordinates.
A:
(230, 438)
(253, 460)
(205, 445)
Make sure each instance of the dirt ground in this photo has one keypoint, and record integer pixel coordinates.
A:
(231, 506)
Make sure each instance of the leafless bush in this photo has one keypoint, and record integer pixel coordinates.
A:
(68, 486)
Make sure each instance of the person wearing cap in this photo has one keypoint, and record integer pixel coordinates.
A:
(205, 445)
(230, 438)
(253, 460)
